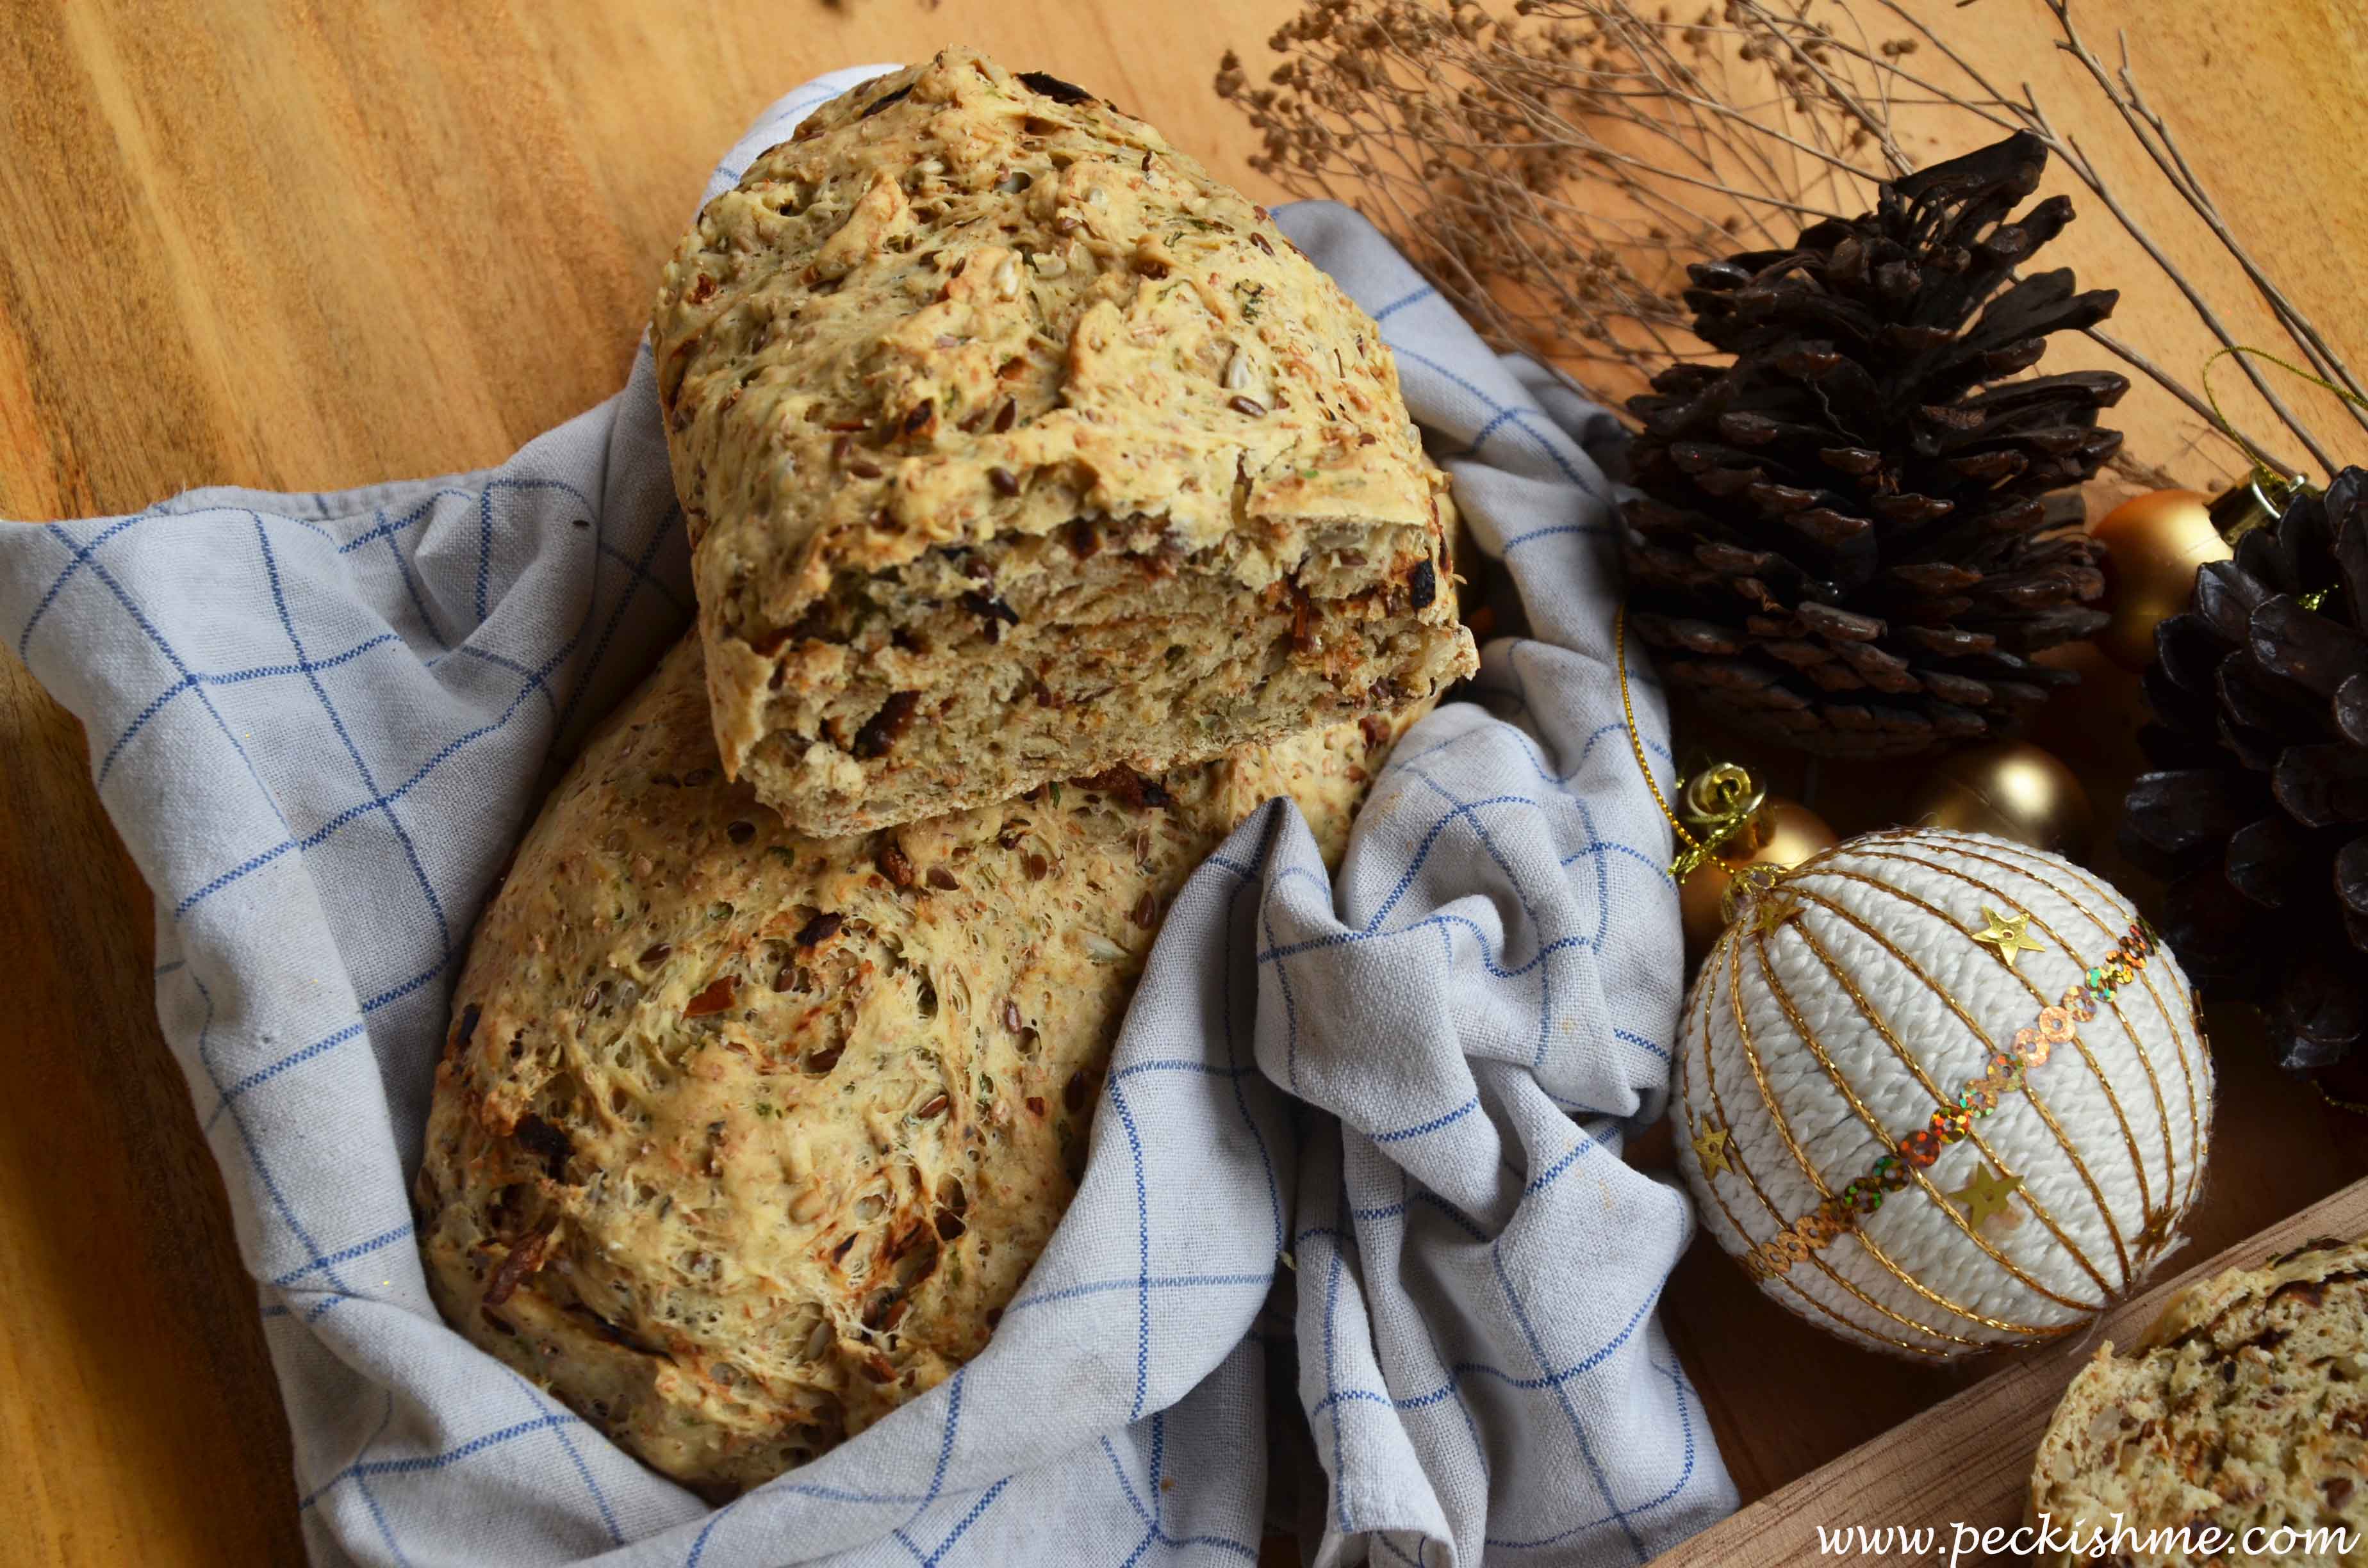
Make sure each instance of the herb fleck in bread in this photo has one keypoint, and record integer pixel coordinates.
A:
(1014, 447)
(2245, 1404)
(744, 1138)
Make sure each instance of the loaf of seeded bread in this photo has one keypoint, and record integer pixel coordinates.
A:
(2244, 1407)
(744, 1138)
(1013, 446)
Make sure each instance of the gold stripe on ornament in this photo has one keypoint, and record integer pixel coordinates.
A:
(1917, 1071)
(1991, 1048)
(2145, 1062)
(2121, 1115)
(2198, 1126)
(2106, 928)
(1817, 1050)
(1808, 1301)
(1899, 1049)
(1890, 1037)
(2158, 1219)
(1742, 1166)
(2204, 1044)
(1730, 946)
(2183, 1196)
(1732, 950)
(2033, 1046)
(2038, 1101)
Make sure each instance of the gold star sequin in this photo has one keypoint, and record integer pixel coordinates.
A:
(2010, 934)
(1985, 1195)
(1710, 1148)
(1773, 910)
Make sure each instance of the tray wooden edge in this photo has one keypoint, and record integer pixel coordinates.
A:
(1967, 1459)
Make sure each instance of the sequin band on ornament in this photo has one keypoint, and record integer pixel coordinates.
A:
(1843, 1211)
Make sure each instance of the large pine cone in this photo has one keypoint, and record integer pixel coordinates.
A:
(1843, 541)
(2260, 813)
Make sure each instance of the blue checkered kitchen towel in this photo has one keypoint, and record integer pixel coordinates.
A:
(1371, 1126)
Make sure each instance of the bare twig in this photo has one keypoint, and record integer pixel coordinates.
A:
(2152, 135)
(1556, 169)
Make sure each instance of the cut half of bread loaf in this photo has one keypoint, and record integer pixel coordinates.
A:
(2244, 1408)
(1014, 447)
(742, 1139)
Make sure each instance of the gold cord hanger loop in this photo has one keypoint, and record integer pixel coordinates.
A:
(1722, 799)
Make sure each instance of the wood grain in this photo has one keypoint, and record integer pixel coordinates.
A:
(315, 244)
(1968, 1459)
(137, 1411)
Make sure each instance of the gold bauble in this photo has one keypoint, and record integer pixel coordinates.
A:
(2010, 789)
(1783, 833)
(2154, 545)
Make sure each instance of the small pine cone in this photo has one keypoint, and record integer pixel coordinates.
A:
(1849, 538)
(2257, 813)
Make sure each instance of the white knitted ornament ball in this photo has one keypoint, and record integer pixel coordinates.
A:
(1940, 1092)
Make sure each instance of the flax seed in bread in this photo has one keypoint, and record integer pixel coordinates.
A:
(2244, 1407)
(744, 1138)
(1014, 447)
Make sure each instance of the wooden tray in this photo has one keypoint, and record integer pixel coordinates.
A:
(1967, 1459)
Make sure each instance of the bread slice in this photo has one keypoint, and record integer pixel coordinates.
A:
(743, 1139)
(1014, 447)
(2245, 1407)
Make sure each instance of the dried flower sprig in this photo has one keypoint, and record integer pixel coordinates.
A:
(1554, 170)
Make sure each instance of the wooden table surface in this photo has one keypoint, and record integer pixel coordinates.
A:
(312, 245)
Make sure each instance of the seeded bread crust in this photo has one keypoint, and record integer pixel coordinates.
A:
(1013, 446)
(742, 1139)
(2244, 1404)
